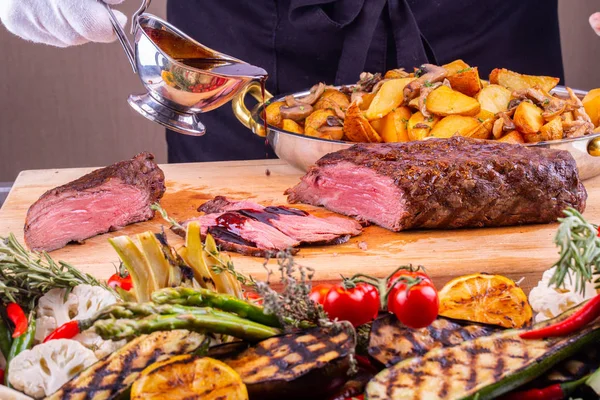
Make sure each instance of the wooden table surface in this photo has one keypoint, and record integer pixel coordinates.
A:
(517, 252)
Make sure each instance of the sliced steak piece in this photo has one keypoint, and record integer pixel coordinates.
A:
(298, 224)
(444, 183)
(101, 201)
(237, 232)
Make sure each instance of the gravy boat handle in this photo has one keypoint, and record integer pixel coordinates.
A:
(125, 43)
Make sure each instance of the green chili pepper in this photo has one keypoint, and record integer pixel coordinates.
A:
(19, 345)
(5, 338)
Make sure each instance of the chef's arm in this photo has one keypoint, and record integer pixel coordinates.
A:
(595, 22)
(60, 23)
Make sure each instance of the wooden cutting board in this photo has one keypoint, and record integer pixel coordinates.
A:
(518, 252)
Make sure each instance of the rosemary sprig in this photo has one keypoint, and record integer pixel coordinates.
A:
(165, 216)
(579, 251)
(25, 276)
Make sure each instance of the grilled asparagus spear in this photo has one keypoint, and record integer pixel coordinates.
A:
(171, 317)
(208, 298)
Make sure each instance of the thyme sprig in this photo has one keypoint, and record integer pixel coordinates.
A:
(293, 302)
(579, 251)
(25, 275)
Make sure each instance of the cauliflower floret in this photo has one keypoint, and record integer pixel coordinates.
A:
(10, 394)
(42, 370)
(82, 303)
(99, 346)
(549, 302)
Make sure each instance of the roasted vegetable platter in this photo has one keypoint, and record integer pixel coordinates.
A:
(182, 322)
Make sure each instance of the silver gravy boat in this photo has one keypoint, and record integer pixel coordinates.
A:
(183, 78)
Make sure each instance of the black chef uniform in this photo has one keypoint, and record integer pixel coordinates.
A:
(302, 42)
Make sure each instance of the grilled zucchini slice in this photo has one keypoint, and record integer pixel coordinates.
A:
(112, 377)
(391, 342)
(483, 368)
(302, 365)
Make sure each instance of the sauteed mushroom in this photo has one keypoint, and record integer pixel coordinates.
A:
(428, 88)
(296, 112)
(429, 73)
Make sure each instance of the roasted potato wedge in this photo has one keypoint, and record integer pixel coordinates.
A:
(394, 126)
(512, 137)
(484, 83)
(591, 103)
(494, 98)
(357, 128)
(463, 77)
(484, 114)
(552, 130)
(483, 130)
(444, 101)
(515, 81)
(316, 120)
(389, 96)
(528, 118)
(367, 99)
(567, 117)
(453, 125)
(455, 66)
(396, 74)
(273, 114)
(292, 126)
(419, 127)
(331, 98)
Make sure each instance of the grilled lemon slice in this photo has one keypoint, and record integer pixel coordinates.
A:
(488, 299)
(188, 377)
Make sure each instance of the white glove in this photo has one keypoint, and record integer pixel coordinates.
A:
(60, 23)
(595, 22)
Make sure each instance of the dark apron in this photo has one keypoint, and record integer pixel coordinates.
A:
(302, 42)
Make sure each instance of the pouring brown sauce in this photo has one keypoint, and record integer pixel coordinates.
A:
(191, 55)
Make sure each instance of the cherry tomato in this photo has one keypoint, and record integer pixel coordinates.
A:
(416, 307)
(357, 305)
(117, 280)
(425, 280)
(318, 292)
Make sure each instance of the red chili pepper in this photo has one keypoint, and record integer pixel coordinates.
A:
(67, 330)
(1, 375)
(18, 318)
(588, 313)
(552, 392)
(359, 397)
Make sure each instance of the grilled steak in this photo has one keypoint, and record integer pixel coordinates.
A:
(444, 183)
(101, 201)
(252, 229)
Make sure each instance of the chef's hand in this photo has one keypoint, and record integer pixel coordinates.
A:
(60, 23)
(595, 22)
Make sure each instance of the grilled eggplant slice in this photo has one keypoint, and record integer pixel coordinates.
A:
(391, 342)
(112, 377)
(303, 365)
(482, 368)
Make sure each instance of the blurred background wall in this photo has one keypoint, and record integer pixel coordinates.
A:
(68, 108)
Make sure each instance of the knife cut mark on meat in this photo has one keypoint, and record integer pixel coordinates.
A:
(252, 229)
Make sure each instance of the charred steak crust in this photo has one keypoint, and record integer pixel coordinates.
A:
(140, 171)
(447, 183)
(137, 175)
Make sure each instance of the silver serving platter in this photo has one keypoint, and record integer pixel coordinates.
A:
(302, 151)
